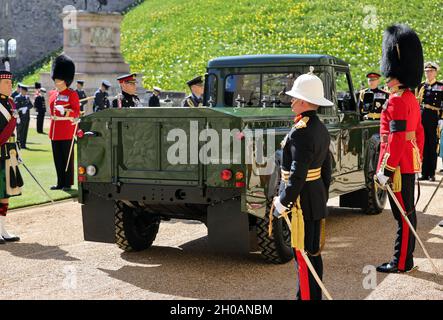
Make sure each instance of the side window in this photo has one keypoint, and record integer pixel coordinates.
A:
(327, 81)
(275, 87)
(244, 89)
(211, 87)
(266, 90)
(343, 94)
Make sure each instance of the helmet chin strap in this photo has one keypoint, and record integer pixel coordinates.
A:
(392, 82)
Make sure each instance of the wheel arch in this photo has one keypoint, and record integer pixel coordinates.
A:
(372, 148)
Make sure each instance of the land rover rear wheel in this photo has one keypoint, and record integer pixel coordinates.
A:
(134, 232)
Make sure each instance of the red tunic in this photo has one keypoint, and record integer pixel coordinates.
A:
(63, 129)
(8, 130)
(400, 131)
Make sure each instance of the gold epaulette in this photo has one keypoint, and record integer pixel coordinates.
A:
(302, 123)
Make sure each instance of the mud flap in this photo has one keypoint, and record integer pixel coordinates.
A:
(98, 219)
(228, 228)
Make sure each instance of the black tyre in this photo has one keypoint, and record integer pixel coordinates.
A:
(376, 196)
(277, 247)
(134, 232)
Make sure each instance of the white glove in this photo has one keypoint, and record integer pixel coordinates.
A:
(60, 109)
(279, 207)
(381, 178)
(22, 110)
(440, 124)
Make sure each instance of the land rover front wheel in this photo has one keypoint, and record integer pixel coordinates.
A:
(275, 248)
(376, 196)
(134, 231)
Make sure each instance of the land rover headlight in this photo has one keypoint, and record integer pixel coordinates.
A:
(91, 171)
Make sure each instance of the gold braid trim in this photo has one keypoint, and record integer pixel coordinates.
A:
(190, 103)
(297, 227)
(420, 94)
(416, 156)
(271, 218)
(396, 181)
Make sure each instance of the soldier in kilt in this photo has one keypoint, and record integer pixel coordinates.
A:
(10, 178)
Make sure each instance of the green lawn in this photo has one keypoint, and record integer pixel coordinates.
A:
(171, 41)
(38, 158)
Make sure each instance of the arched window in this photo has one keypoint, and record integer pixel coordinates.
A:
(12, 48)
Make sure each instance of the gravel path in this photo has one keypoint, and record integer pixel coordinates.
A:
(53, 262)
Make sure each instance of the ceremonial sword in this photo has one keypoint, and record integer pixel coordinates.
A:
(307, 261)
(403, 213)
(36, 181)
(310, 266)
(411, 227)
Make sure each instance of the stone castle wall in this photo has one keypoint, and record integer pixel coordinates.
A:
(37, 26)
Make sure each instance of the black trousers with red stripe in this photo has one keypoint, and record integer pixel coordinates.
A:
(307, 287)
(405, 241)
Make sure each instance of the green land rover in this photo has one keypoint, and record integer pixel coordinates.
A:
(219, 164)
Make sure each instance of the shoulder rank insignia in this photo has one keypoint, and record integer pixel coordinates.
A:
(299, 124)
(302, 123)
(190, 103)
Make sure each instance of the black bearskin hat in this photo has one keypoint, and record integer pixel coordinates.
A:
(402, 55)
(37, 85)
(63, 68)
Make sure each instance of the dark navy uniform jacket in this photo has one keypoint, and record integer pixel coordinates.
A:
(23, 102)
(192, 101)
(81, 95)
(307, 147)
(372, 100)
(127, 101)
(40, 104)
(101, 101)
(154, 101)
(431, 94)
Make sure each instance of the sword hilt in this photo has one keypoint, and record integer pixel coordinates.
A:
(384, 161)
